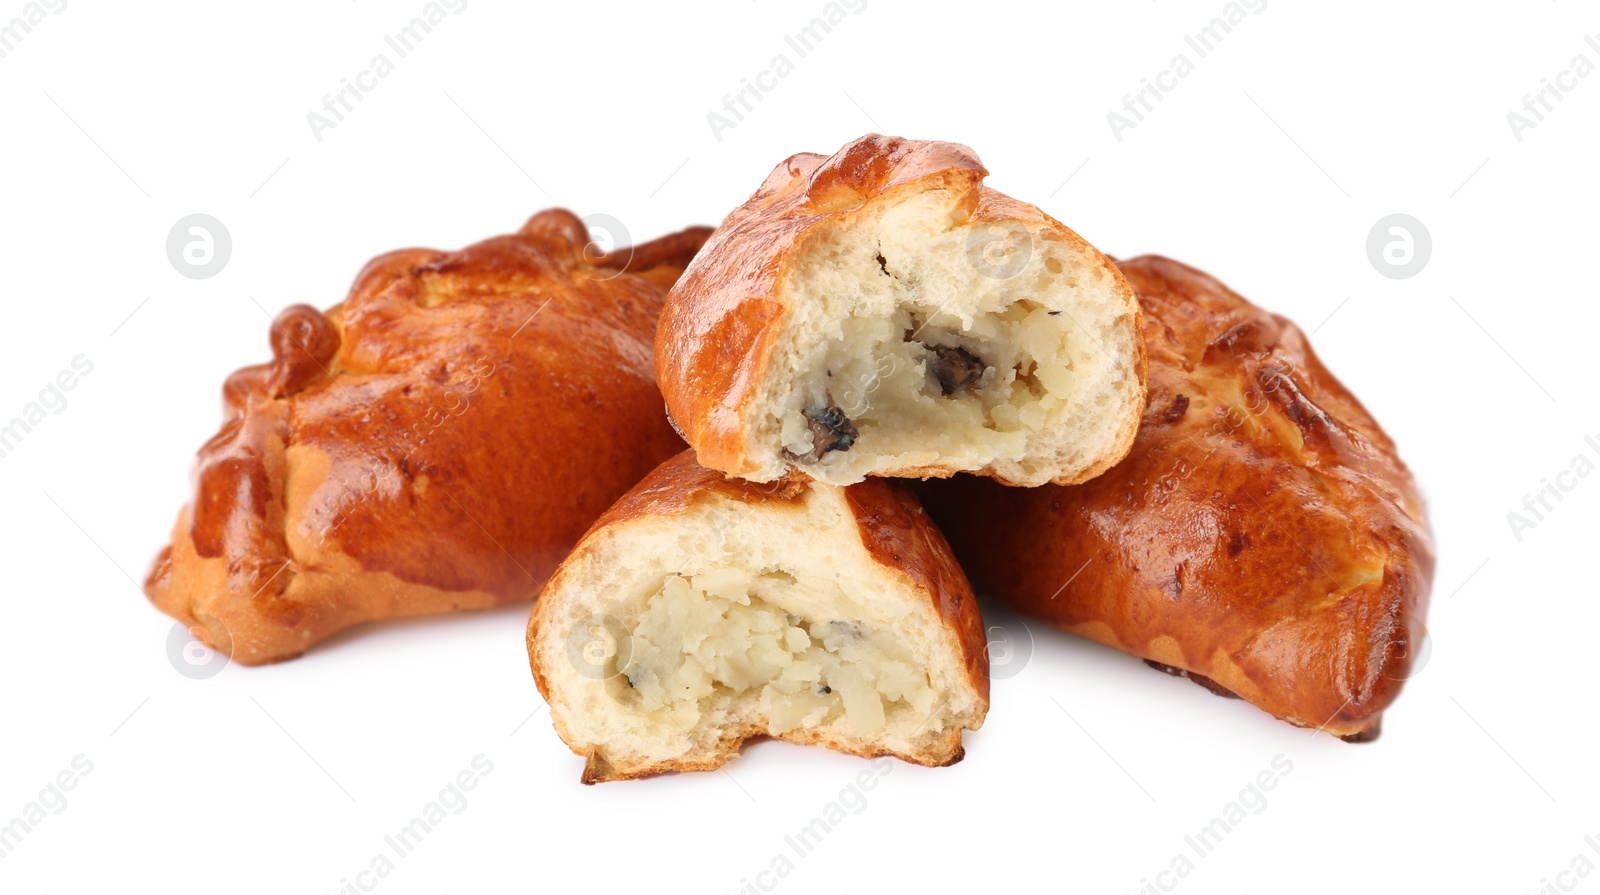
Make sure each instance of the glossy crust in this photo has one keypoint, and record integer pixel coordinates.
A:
(894, 529)
(721, 322)
(1262, 537)
(436, 442)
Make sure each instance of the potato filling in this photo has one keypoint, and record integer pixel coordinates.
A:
(714, 643)
(918, 338)
(910, 383)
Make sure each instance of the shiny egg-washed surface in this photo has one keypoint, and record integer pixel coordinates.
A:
(1262, 535)
(436, 442)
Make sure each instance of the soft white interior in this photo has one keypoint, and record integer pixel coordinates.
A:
(874, 298)
(739, 618)
(723, 636)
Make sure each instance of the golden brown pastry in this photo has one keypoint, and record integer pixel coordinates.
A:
(436, 442)
(882, 312)
(701, 611)
(1262, 537)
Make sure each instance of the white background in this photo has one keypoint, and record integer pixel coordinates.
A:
(1267, 165)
